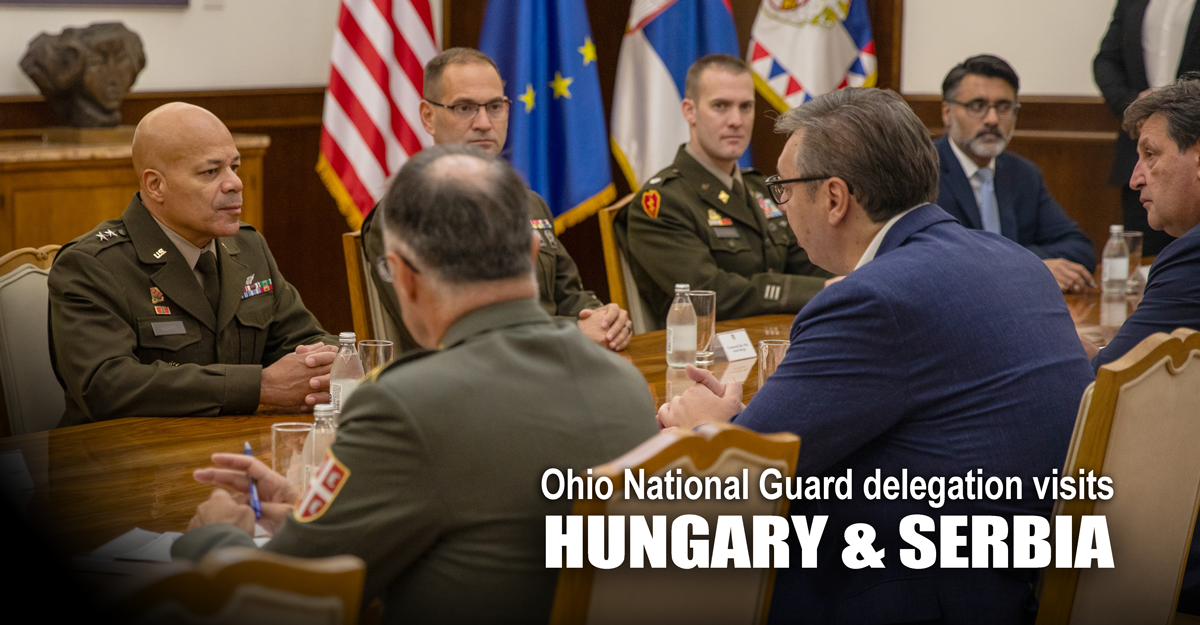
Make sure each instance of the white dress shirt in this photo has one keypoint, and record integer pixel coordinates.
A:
(1164, 28)
(873, 248)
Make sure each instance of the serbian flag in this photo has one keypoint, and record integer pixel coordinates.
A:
(662, 40)
(800, 49)
(371, 123)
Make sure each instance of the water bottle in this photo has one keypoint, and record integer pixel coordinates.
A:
(323, 432)
(1114, 272)
(346, 372)
(681, 330)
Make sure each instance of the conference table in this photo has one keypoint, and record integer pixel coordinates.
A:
(94, 482)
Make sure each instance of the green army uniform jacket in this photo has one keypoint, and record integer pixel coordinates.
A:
(132, 334)
(437, 467)
(560, 290)
(685, 226)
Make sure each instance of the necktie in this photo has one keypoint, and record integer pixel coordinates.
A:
(207, 265)
(989, 211)
(738, 192)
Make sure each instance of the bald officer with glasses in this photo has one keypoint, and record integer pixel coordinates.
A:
(706, 222)
(464, 103)
(988, 188)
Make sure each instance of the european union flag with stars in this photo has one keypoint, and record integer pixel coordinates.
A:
(556, 133)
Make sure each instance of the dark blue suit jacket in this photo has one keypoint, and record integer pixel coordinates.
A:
(1028, 213)
(951, 351)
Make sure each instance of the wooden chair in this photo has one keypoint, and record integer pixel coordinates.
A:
(31, 399)
(1138, 424)
(622, 290)
(371, 319)
(671, 595)
(247, 586)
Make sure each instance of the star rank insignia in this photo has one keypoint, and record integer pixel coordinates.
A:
(156, 296)
(651, 201)
(102, 236)
(723, 196)
(160, 253)
(110, 233)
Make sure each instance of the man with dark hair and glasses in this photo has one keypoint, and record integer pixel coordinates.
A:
(890, 370)
(464, 103)
(988, 188)
(706, 222)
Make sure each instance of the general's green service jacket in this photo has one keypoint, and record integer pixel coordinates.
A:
(434, 479)
(132, 334)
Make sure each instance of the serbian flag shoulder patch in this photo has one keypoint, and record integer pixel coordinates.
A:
(322, 489)
(651, 200)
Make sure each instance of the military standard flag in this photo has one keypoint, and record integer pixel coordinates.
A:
(800, 49)
(662, 40)
(556, 134)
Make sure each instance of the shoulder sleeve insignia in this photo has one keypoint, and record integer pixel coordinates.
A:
(651, 200)
(322, 490)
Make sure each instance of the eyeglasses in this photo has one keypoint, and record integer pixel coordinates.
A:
(978, 108)
(385, 272)
(781, 194)
(466, 111)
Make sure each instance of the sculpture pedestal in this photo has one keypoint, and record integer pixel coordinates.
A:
(52, 191)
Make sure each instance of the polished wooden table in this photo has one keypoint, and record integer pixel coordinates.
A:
(94, 482)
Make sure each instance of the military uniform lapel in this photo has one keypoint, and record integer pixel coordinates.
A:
(233, 280)
(174, 277)
(732, 207)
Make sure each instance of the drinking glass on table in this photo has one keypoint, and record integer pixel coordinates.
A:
(1133, 240)
(705, 303)
(287, 452)
(770, 354)
(374, 354)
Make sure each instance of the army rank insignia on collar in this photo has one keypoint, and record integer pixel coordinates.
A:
(723, 196)
(715, 219)
(651, 201)
(322, 490)
(257, 288)
(768, 207)
(156, 296)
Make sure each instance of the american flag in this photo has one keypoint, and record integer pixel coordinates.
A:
(371, 122)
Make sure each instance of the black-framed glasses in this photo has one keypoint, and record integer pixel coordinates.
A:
(780, 192)
(978, 108)
(385, 272)
(464, 111)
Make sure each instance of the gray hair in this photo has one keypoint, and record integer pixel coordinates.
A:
(873, 141)
(432, 85)
(463, 227)
(1178, 103)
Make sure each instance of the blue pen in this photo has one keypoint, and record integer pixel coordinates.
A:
(254, 502)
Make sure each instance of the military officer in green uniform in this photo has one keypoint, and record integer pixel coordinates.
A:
(464, 103)
(177, 308)
(706, 222)
(434, 477)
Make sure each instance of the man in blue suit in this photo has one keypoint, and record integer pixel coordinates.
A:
(944, 352)
(988, 188)
(1166, 125)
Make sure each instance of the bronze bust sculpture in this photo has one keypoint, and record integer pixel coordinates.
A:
(85, 73)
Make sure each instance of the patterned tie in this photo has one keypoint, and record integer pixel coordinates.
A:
(207, 265)
(989, 212)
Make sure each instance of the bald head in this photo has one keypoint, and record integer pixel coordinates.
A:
(187, 162)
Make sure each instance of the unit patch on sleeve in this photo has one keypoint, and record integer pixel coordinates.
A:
(322, 490)
(651, 200)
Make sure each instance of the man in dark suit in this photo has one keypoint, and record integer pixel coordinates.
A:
(1124, 73)
(890, 370)
(1166, 177)
(988, 188)
(432, 479)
